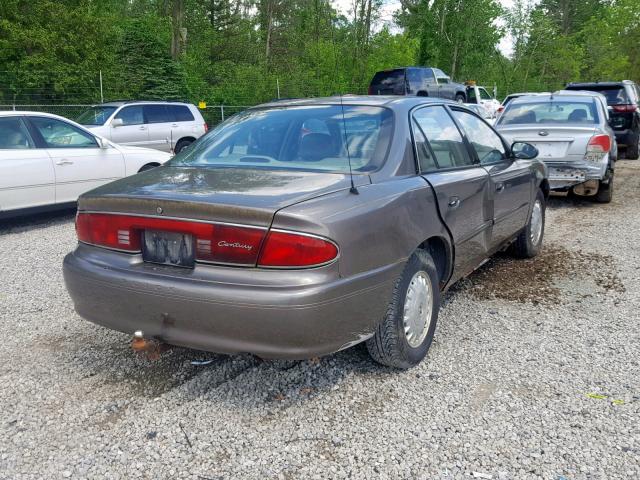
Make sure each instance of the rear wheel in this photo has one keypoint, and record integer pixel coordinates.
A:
(182, 144)
(605, 190)
(529, 241)
(404, 336)
(633, 150)
(460, 98)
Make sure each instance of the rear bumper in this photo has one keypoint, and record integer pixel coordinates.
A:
(563, 175)
(273, 314)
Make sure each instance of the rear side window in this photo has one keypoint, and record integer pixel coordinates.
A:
(180, 113)
(14, 134)
(131, 115)
(157, 114)
(388, 83)
(443, 136)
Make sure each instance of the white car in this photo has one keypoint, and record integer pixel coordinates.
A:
(166, 126)
(47, 161)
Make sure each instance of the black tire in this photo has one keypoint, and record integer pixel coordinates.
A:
(148, 166)
(524, 246)
(460, 98)
(390, 346)
(632, 151)
(185, 142)
(605, 190)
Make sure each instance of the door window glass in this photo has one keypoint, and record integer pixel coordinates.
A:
(180, 113)
(14, 134)
(443, 136)
(157, 114)
(131, 115)
(483, 139)
(425, 159)
(59, 134)
(484, 95)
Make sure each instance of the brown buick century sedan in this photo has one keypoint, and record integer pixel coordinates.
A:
(302, 227)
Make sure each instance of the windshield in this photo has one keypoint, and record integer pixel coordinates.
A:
(552, 112)
(95, 115)
(296, 138)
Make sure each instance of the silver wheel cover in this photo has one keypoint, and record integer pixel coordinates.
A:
(418, 309)
(536, 223)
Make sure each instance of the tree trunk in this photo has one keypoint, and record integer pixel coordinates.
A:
(178, 33)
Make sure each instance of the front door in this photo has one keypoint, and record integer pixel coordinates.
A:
(511, 180)
(78, 161)
(133, 130)
(27, 178)
(461, 187)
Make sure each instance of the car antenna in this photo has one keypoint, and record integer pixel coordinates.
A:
(353, 188)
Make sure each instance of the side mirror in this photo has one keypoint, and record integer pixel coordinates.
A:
(102, 143)
(524, 151)
(117, 122)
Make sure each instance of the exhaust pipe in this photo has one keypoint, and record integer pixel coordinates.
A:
(151, 347)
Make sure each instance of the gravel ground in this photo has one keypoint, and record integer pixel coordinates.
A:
(534, 373)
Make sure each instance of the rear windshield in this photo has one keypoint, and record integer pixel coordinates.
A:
(95, 115)
(552, 112)
(388, 83)
(319, 137)
(616, 95)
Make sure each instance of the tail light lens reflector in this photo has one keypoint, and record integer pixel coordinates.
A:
(217, 243)
(206, 128)
(283, 249)
(624, 108)
(599, 144)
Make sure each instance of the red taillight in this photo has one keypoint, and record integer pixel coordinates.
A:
(206, 128)
(293, 250)
(214, 242)
(599, 144)
(500, 109)
(624, 108)
(217, 243)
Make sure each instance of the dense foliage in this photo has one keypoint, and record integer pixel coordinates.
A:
(241, 52)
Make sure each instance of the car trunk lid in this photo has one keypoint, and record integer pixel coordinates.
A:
(554, 143)
(234, 195)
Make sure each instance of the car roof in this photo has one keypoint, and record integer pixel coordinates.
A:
(599, 84)
(357, 100)
(563, 94)
(29, 113)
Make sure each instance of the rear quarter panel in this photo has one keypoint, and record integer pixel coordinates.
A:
(379, 227)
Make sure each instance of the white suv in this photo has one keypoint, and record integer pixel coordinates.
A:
(166, 126)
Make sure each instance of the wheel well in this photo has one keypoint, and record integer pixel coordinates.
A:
(441, 254)
(422, 93)
(186, 138)
(544, 186)
(461, 94)
(148, 165)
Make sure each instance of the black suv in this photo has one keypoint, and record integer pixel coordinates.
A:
(623, 99)
(419, 81)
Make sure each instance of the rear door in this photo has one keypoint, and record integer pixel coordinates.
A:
(78, 161)
(511, 180)
(161, 126)
(183, 124)
(133, 130)
(461, 186)
(27, 178)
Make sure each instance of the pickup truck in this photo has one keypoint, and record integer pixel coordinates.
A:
(417, 81)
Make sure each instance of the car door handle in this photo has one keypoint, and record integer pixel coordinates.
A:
(143, 127)
(454, 202)
(499, 187)
(174, 125)
(64, 161)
